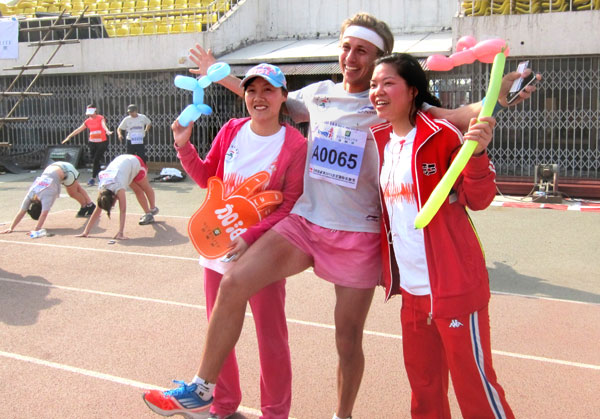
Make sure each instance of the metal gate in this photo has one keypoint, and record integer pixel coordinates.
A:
(560, 124)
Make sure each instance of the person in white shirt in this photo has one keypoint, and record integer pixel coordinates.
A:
(125, 170)
(137, 125)
(44, 191)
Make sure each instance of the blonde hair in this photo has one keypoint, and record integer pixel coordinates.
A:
(371, 22)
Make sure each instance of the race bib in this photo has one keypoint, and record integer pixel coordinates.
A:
(106, 177)
(337, 154)
(96, 136)
(136, 138)
(41, 183)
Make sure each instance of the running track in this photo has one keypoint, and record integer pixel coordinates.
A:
(85, 326)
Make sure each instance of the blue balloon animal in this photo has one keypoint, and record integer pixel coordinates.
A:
(215, 72)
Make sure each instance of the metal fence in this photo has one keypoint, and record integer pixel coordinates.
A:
(559, 124)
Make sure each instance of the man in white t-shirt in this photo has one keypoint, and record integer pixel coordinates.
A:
(137, 126)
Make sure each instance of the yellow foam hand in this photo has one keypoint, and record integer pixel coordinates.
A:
(220, 219)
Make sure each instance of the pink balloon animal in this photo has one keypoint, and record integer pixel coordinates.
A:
(467, 51)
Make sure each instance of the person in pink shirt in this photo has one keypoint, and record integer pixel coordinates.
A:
(242, 148)
(98, 142)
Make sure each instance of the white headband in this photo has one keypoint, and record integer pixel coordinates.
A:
(366, 34)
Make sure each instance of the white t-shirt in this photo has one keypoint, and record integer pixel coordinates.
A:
(135, 127)
(46, 187)
(340, 177)
(119, 173)
(247, 155)
(400, 201)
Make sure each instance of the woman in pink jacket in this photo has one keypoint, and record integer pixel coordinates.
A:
(439, 270)
(242, 148)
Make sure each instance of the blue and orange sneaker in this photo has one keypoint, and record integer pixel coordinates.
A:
(182, 400)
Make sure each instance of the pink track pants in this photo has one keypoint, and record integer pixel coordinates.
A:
(268, 310)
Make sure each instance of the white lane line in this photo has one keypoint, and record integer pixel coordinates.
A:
(291, 321)
(91, 249)
(308, 270)
(101, 376)
(81, 371)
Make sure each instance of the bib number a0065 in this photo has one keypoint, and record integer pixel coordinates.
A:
(337, 154)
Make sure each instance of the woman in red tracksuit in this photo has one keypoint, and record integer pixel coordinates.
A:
(439, 270)
(243, 147)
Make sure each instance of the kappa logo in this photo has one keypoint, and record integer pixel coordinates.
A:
(429, 169)
(455, 324)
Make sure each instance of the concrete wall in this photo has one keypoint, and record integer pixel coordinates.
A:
(570, 33)
(253, 21)
(541, 34)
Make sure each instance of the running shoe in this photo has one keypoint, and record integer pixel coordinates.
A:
(182, 400)
(82, 212)
(154, 211)
(146, 219)
(90, 209)
(91, 182)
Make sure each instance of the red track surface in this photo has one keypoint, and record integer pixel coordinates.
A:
(85, 325)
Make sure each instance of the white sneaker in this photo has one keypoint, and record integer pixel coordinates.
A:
(146, 219)
(154, 211)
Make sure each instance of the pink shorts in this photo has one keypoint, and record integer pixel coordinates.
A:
(143, 170)
(345, 258)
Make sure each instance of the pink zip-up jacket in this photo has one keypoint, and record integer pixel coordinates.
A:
(287, 177)
(457, 273)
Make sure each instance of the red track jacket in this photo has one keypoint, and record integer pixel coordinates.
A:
(457, 272)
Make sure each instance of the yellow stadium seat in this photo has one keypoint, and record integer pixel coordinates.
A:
(181, 4)
(115, 6)
(141, 6)
(111, 31)
(101, 7)
(194, 3)
(149, 28)
(65, 5)
(167, 4)
(163, 28)
(77, 6)
(91, 7)
(178, 27)
(128, 6)
(135, 29)
(209, 18)
(154, 5)
(221, 6)
(193, 27)
(5, 10)
(123, 30)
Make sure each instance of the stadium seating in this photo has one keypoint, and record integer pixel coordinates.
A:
(142, 17)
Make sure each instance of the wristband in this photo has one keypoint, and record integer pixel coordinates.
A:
(497, 108)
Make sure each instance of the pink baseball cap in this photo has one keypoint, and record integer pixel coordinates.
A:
(269, 72)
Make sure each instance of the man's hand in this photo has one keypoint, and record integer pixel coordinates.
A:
(507, 82)
(203, 59)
